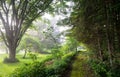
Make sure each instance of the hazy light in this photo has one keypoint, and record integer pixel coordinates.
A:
(47, 16)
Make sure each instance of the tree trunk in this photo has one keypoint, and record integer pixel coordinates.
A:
(118, 33)
(108, 37)
(100, 51)
(24, 56)
(110, 53)
(6, 50)
(12, 54)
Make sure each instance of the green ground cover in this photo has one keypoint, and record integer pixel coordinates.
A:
(80, 67)
(7, 68)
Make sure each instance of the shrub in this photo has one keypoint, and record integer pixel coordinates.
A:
(56, 53)
(100, 68)
(50, 71)
(39, 69)
(59, 66)
(56, 69)
(68, 56)
(47, 58)
(33, 56)
(116, 71)
(35, 69)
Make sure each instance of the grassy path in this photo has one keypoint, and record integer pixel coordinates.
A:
(80, 68)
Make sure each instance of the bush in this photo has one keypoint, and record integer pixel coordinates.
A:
(56, 69)
(39, 69)
(100, 68)
(59, 66)
(68, 56)
(56, 53)
(116, 71)
(35, 69)
(33, 56)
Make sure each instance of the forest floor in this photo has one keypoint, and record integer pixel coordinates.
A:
(79, 67)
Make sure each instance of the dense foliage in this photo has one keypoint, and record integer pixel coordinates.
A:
(96, 24)
(99, 28)
(49, 67)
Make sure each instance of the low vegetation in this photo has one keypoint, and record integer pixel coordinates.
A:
(80, 66)
(7, 68)
(49, 67)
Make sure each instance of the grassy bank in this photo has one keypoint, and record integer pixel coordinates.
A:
(80, 68)
(7, 68)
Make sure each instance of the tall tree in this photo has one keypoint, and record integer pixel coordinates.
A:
(16, 17)
(96, 23)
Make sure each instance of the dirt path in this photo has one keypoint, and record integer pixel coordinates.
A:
(80, 67)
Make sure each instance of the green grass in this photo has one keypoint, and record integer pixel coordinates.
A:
(77, 67)
(7, 68)
(80, 68)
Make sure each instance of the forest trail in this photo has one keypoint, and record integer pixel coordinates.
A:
(80, 67)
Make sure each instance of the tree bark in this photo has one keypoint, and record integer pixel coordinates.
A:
(100, 51)
(12, 54)
(118, 30)
(108, 37)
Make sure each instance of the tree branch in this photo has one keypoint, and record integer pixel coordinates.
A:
(5, 41)
(3, 20)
